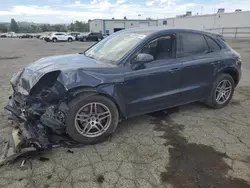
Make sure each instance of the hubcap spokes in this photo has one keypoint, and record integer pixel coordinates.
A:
(223, 91)
(93, 119)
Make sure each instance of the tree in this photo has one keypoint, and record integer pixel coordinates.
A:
(79, 26)
(3, 28)
(45, 28)
(13, 26)
(71, 27)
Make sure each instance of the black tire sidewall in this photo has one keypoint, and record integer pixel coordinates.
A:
(54, 40)
(212, 101)
(79, 102)
(70, 39)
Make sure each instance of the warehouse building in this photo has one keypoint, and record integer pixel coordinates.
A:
(209, 21)
(110, 26)
(231, 25)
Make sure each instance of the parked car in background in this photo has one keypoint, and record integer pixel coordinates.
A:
(26, 36)
(91, 37)
(12, 35)
(3, 35)
(75, 34)
(38, 36)
(133, 72)
(44, 35)
(105, 35)
(59, 36)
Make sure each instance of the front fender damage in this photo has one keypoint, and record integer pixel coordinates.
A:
(38, 119)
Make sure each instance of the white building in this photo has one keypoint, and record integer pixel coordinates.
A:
(232, 25)
(209, 21)
(110, 26)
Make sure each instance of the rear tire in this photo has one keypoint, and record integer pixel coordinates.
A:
(84, 121)
(219, 97)
(84, 39)
(54, 40)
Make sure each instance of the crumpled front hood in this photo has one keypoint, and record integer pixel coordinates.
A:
(65, 62)
(69, 65)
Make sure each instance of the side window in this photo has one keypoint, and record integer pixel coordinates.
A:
(161, 48)
(213, 46)
(192, 44)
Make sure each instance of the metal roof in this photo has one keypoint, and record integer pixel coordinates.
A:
(159, 29)
(123, 20)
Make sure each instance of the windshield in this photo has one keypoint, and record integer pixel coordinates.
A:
(113, 48)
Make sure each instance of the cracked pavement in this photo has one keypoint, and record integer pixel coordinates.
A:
(189, 146)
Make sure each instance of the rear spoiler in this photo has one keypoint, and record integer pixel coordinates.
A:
(220, 37)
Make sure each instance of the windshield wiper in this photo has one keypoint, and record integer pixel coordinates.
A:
(91, 57)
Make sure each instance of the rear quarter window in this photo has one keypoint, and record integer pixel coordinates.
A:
(192, 43)
(212, 44)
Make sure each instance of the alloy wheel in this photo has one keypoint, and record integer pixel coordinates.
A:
(223, 91)
(93, 119)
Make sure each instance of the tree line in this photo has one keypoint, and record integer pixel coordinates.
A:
(38, 28)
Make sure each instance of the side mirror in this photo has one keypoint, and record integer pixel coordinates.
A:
(143, 58)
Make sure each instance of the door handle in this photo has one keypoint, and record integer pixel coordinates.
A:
(174, 70)
(215, 62)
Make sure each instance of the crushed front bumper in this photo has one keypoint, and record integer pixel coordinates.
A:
(11, 148)
(30, 134)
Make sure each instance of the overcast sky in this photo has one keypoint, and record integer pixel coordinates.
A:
(65, 11)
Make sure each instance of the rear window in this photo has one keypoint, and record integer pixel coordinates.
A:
(212, 44)
(192, 44)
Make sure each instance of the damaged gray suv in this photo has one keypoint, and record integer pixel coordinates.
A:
(83, 96)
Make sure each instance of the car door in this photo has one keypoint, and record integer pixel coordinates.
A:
(197, 66)
(156, 84)
(64, 37)
(90, 36)
(58, 36)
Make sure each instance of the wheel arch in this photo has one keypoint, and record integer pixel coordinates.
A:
(232, 72)
(100, 91)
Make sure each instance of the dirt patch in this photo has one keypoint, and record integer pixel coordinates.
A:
(235, 102)
(244, 90)
(192, 165)
(9, 58)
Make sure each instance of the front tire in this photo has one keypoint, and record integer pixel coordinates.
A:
(91, 118)
(54, 39)
(222, 91)
(70, 39)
